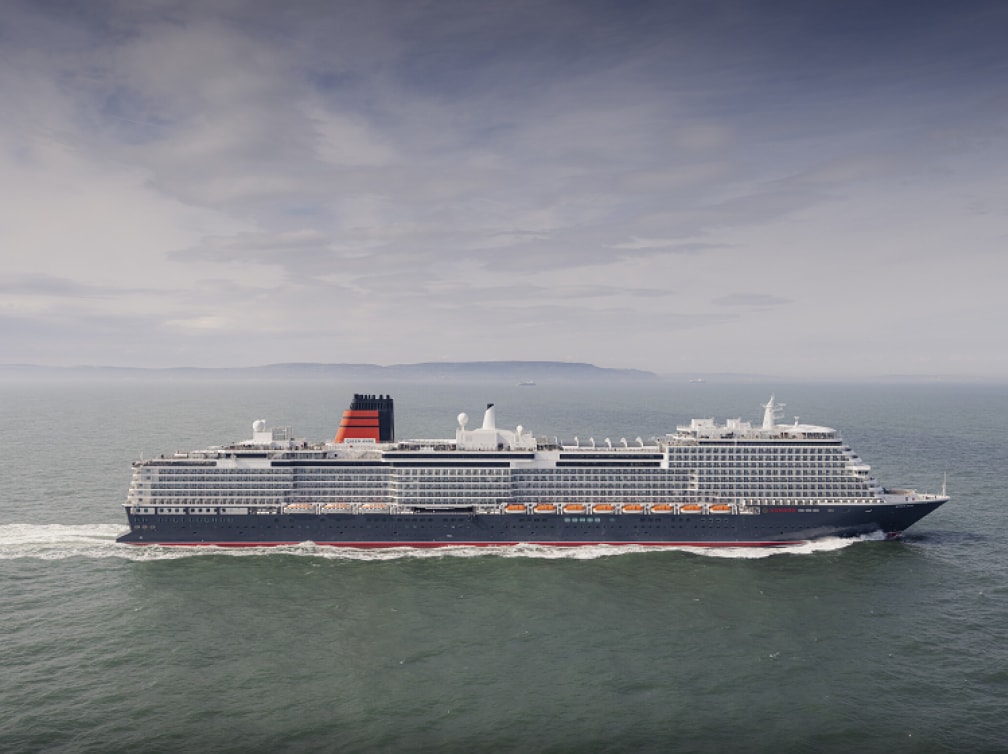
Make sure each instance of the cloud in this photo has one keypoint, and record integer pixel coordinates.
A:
(750, 301)
(413, 175)
(672, 245)
(60, 287)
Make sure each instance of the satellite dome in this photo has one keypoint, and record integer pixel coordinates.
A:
(259, 425)
(463, 419)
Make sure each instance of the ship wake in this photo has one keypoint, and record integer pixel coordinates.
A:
(58, 542)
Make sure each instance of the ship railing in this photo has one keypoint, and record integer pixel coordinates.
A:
(345, 507)
(693, 507)
(387, 508)
(826, 502)
(912, 496)
(202, 509)
(377, 508)
(676, 507)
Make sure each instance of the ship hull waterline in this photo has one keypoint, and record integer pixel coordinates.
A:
(780, 527)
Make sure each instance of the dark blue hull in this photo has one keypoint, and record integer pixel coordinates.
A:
(769, 527)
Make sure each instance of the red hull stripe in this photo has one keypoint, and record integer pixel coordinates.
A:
(369, 545)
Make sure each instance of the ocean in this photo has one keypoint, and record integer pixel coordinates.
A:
(861, 645)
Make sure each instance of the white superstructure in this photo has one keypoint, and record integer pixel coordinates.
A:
(705, 467)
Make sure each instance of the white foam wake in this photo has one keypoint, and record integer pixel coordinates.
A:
(57, 542)
(826, 544)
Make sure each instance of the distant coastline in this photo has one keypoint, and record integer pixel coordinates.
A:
(511, 371)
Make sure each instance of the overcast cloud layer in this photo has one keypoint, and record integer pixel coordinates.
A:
(808, 188)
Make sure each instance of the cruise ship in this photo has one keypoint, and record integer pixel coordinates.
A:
(706, 484)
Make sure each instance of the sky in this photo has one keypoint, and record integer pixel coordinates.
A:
(804, 188)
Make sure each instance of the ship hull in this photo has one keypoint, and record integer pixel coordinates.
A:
(769, 527)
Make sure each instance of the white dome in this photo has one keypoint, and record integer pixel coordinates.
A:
(259, 425)
(463, 419)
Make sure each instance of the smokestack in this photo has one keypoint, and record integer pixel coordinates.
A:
(489, 418)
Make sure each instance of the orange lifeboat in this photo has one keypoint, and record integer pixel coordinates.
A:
(574, 508)
(603, 508)
(720, 508)
(545, 508)
(662, 508)
(633, 508)
(337, 507)
(691, 508)
(514, 508)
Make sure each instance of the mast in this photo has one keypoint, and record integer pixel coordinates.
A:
(771, 412)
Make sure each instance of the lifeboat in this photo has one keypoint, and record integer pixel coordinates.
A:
(337, 507)
(691, 508)
(633, 508)
(545, 508)
(299, 508)
(719, 508)
(662, 508)
(574, 508)
(514, 508)
(374, 507)
(603, 508)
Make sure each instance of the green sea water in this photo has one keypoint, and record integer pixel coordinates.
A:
(834, 646)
